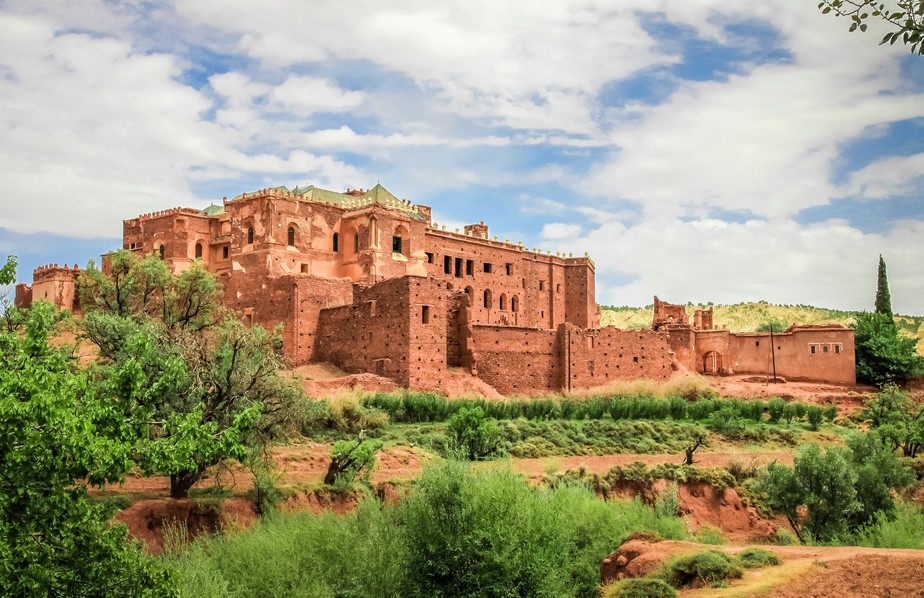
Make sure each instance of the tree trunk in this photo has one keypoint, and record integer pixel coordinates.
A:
(182, 481)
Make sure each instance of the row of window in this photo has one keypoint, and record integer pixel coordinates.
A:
(459, 265)
(815, 348)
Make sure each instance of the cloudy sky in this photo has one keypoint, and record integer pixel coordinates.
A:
(703, 150)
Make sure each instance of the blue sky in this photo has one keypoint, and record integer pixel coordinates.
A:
(698, 150)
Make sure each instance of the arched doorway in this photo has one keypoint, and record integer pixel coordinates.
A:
(712, 363)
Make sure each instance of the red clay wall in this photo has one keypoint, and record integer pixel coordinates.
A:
(595, 357)
(834, 359)
(518, 360)
(384, 331)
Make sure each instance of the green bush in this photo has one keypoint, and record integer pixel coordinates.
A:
(727, 421)
(755, 558)
(830, 412)
(471, 435)
(775, 409)
(709, 568)
(640, 587)
(815, 416)
(709, 534)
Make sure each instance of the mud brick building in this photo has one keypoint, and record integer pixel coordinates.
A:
(368, 282)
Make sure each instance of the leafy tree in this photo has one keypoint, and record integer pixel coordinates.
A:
(882, 354)
(898, 421)
(907, 23)
(775, 325)
(472, 435)
(53, 540)
(138, 286)
(883, 298)
(10, 316)
(832, 493)
(186, 372)
(348, 460)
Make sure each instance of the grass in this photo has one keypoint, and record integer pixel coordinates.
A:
(543, 541)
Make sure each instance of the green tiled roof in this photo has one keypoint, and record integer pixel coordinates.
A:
(377, 194)
(213, 210)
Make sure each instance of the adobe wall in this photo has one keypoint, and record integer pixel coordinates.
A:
(594, 357)
(174, 232)
(396, 328)
(54, 284)
(518, 360)
(834, 359)
(713, 342)
(23, 297)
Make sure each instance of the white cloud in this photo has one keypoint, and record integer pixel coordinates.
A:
(888, 177)
(555, 231)
(311, 94)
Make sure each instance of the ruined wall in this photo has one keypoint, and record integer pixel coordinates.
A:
(595, 357)
(23, 297)
(803, 353)
(518, 360)
(396, 328)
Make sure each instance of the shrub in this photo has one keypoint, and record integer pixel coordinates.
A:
(709, 534)
(830, 412)
(790, 412)
(667, 503)
(641, 587)
(784, 537)
(709, 568)
(727, 422)
(775, 409)
(346, 414)
(471, 435)
(815, 415)
(349, 459)
(755, 558)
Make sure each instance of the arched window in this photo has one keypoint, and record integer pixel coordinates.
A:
(336, 242)
(160, 252)
(514, 304)
(250, 236)
(469, 291)
(291, 235)
(503, 302)
(487, 298)
(198, 250)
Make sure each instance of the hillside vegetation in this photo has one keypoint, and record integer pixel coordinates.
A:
(749, 317)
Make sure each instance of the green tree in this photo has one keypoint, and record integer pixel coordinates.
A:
(882, 354)
(897, 419)
(348, 459)
(883, 298)
(472, 435)
(53, 540)
(906, 23)
(832, 493)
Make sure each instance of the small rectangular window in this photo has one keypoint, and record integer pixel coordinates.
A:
(224, 252)
(541, 285)
(396, 244)
(425, 314)
(429, 258)
(824, 349)
(458, 267)
(837, 348)
(558, 287)
(812, 349)
(756, 343)
(509, 268)
(469, 267)
(487, 267)
(447, 264)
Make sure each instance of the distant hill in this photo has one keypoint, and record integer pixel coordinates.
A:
(749, 317)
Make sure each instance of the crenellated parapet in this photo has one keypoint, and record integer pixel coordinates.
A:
(169, 212)
(54, 272)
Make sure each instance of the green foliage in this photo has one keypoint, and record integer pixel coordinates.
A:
(882, 354)
(456, 534)
(265, 493)
(903, 530)
(54, 541)
(10, 317)
(472, 436)
(815, 416)
(898, 421)
(709, 568)
(727, 422)
(907, 23)
(639, 587)
(883, 298)
(709, 534)
(775, 409)
(667, 503)
(775, 325)
(755, 558)
(352, 459)
(838, 490)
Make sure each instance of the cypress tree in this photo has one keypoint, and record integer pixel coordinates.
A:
(883, 299)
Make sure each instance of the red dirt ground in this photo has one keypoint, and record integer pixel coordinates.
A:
(847, 398)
